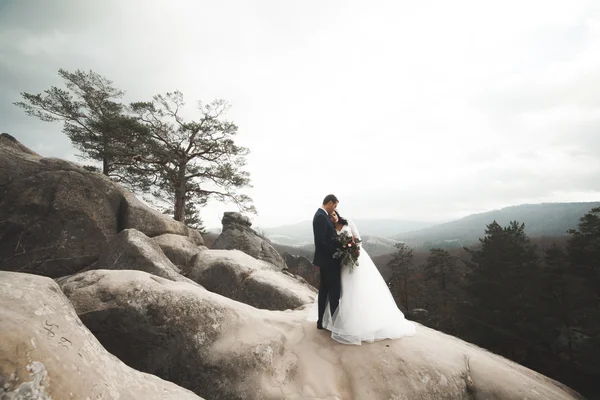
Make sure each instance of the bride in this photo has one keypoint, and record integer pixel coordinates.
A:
(367, 311)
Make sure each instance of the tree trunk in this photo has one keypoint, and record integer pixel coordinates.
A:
(179, 212)
(179, 208)
(105, 163)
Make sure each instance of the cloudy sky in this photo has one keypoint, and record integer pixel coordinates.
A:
(425, 110)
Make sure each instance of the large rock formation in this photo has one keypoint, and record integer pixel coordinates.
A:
(136, 215)
(238, 234)
(131, 249)
(47, 353)
(179, 249)
(55, 217)
(238, 276)
(223, 349)
(302, 267)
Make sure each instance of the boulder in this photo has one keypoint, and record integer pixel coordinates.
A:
(9, 141)
(301, 266)
(131, 249)
(55, 223)
(299, 279)
(55, 216)
(133, 214)
(236, 275)
(47, 353)
(237, 234)
(223, 349)
(179, 249)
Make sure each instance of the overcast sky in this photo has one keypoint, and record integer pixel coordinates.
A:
(427, 110)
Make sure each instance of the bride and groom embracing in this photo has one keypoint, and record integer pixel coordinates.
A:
(354, 301)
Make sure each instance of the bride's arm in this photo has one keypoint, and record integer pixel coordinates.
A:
(354, 230)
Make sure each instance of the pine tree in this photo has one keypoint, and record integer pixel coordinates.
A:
(193, 219)
(402, 272)
(558, 296)
(440, 267)
(583, 254)
(93, 118)
(440, 275)
(190, 162)
(583, 248)
(504, 287)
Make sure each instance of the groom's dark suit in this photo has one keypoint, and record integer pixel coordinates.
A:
(325, 246)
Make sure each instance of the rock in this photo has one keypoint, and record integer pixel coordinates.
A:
(9, 141)
(195, 236)
(131, 249)
(47, 353)
(302, 267)
(222, 349)
(34, 388)
(179, 249)
(235, 218)
(236, 275)
(298, 278)
(237, 234)
(136, 215)
(55, 217)
(51, 228)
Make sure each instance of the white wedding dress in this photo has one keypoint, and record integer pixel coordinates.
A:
(367, 311)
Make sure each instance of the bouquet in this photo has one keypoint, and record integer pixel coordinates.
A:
(348, 251)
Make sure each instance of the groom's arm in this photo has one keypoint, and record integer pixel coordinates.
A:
(320, 228)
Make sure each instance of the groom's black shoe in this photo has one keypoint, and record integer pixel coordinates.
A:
(319, 325)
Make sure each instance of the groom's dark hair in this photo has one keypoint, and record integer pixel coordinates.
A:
(330, 197)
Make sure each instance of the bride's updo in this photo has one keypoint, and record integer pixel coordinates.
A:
(341, 220)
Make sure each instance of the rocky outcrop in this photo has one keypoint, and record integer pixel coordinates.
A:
(9, 141)
(131, 249)
(47, 353)
(236, 275)
(55, 217)
(179, 249)
(238, 234)
(133, 214)
(303, 267)
(223, 349)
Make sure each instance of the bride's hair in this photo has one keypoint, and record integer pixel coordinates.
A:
(341, 220)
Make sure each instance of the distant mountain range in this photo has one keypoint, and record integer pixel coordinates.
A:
(546, 219)
(301, 234)
(380, 235)
(377, 245)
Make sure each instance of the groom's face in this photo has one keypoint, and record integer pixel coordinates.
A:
(330, 207)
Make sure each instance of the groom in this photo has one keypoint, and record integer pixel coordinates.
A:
(330, 286)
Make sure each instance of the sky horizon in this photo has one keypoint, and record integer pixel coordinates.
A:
(425, 112)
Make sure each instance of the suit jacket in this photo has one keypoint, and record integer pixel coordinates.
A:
(325, 245)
